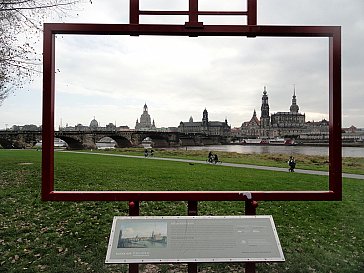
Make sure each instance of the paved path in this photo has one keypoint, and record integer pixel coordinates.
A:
(267, 168)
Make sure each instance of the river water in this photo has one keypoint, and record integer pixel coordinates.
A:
(279, 149)
(266, 149)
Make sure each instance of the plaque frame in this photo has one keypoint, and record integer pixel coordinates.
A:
(113, 236)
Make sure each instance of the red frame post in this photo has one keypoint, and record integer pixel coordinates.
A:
(192, 211)
(250, 209)
(193, 11)
(252, 12)
(134, 11)
(48, 114)
(335, 141)
(134, 210)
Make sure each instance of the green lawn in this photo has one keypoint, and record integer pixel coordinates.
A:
(81, 172)
(38, 236)
(321, 163)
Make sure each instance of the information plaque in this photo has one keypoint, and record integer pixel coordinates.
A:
(165, 239)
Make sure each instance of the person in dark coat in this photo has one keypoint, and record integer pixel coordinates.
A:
(291, 164)
(210, 157)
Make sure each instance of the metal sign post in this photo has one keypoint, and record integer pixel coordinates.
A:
(134, 210)
(192, 211)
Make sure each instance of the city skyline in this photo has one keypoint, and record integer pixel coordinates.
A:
(109, 122)
(111, 77)
(104, 123)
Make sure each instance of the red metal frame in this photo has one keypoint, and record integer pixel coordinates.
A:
(193, 28)
(193, 12)
(333, 33)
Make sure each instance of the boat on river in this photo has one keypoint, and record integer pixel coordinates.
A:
(268, 141)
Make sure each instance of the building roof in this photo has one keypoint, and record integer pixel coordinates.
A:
(288, 114)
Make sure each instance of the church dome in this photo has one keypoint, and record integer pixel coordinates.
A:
(94, 124)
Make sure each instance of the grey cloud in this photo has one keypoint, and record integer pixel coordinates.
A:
(180, 76)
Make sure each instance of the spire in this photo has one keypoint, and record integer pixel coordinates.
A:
(294, 90)
(265, 105)
(264, 113)
(254, 120)
(294, 107)
(205, 117)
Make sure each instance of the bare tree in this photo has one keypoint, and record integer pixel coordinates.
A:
(20, 22)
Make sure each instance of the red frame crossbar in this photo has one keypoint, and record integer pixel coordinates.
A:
(333, 33)
(193, 12)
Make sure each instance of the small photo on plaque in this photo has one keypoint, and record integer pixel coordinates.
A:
(142, 234)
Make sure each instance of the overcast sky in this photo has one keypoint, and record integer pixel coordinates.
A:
(111, 77)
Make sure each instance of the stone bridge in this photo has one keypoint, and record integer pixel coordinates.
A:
(19, 139)
(88, 139)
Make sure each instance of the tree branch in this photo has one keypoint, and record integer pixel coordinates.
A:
(39, 7)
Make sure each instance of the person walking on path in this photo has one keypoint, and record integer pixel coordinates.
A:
(291, 164)
(210, 157)
(216, 159)
(146, 153)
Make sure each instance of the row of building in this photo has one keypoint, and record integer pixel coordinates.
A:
(290, 124)
(205, 126)
(281, 124)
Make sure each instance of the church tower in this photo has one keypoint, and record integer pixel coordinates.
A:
(264, 116)
(205, 118)
(145, 120)
(205, 121)
(294, 107)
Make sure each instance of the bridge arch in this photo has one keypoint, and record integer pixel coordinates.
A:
(158, 140)
(6, 144)
(72, 143)
(120, 141)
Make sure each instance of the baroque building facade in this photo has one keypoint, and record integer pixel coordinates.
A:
(145, 123)
(291, 123)
(251, 128)
(281, 124)
(216, 128)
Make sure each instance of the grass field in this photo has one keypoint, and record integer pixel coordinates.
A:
(130, 173)
(350, 164)
(38, 236)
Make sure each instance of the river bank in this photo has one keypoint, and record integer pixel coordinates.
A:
(353, 165)
(278, 149)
